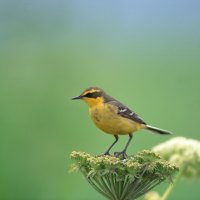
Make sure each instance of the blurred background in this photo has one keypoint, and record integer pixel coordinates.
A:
(144, 53)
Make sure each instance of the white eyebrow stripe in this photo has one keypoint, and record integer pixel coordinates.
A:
(131, 113)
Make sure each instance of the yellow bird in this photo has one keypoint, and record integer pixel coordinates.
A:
(113, 117)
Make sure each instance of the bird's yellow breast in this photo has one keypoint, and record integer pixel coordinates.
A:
(105, 117)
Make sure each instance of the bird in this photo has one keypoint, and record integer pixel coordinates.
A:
(114, 118)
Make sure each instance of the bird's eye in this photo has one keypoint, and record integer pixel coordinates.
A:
(89, 95)
(93, 94)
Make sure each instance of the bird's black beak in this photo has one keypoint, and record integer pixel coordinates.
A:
(78, 97)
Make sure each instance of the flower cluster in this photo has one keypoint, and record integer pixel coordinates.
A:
(152, 196)
(123, 179)
(184, 152)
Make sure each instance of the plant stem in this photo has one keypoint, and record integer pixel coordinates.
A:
(172, 185)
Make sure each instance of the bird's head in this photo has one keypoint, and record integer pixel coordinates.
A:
(92, 96)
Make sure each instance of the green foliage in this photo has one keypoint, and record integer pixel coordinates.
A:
(123, 179)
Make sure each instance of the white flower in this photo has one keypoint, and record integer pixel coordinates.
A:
(183, 152)
(152, 196)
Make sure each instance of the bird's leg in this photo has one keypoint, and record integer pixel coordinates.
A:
(123, 154)
(116, 139)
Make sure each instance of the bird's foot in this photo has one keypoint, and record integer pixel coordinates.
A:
(122, 155)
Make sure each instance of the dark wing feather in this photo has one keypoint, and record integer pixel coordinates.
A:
(126, 112)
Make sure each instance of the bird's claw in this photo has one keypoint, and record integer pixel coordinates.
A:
(121, 155)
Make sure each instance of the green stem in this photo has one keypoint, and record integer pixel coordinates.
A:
(172, 185)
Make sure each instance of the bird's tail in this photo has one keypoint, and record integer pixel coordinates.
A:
(157, 130)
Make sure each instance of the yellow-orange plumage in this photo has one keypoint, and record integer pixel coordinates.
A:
(106, 118)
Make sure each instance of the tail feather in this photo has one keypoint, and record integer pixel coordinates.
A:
(158, 130)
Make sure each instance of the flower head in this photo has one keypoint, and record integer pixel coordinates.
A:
(124, 179)
(152, 196)
(183, 152)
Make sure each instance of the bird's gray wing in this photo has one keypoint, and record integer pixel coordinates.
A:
(126, 112)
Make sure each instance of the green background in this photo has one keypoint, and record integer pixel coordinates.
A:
(144, 53)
